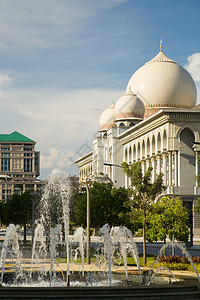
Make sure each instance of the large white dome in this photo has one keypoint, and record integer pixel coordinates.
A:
(129, 106)
(161, 82)
(107, 117)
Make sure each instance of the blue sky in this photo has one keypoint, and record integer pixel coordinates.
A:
(63, 62)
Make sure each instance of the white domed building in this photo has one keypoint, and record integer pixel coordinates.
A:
(107, 118)
(129, 110)
(161, 82)
(156, 122)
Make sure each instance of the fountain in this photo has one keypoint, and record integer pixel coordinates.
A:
(124, 236)
(11, 249)
(55, 239)
(47, 240)
(114, 244)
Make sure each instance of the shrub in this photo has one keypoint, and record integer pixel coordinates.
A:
(177, 263)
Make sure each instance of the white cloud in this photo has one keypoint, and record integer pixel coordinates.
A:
(57, 159)
(193, 66)
(56, 120)
(46, 23)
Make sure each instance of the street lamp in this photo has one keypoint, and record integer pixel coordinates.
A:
(112, 165)
(98, 178)
(33, 195)
(88, 183)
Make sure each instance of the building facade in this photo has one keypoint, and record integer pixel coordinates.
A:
(19, 165)
(156, 122)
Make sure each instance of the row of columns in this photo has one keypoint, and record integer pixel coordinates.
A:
(166, 163)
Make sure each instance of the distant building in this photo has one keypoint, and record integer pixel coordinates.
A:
(156, 122)
(19, 165)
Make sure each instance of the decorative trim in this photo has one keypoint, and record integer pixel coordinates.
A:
(129, 115)
(148, 106)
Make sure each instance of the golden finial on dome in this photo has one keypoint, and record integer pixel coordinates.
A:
(161, 46)
(113, 102)
(129, 88)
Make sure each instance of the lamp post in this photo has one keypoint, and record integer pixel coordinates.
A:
(112, 165)
(98, 178)
(88, 182)
(33, 194)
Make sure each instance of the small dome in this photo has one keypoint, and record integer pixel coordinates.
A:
(129, 106)
(107, 117)
(161, 82)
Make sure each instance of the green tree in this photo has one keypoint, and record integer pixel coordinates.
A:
(168, 217)
(106, 205)
(18, 210)
(197, 206)
(142, 194)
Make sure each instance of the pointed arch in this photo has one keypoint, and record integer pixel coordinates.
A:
(138, 151)
(187, 161)
(134, 153)
(143, 149)
(130, 155)
(158, 142)
(165, 140)
(153, 145)
(148, 146)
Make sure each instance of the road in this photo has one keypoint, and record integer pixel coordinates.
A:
(152, 248)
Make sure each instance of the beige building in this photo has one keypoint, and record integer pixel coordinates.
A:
(19, 165)
(156, 122)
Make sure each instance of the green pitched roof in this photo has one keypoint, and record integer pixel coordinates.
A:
(14, 137)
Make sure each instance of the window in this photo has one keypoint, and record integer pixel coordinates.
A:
(28, 149)
(5, 154)
(5, 165)
(37, 162)
(27, 165)
(28, 154)
(5, 148)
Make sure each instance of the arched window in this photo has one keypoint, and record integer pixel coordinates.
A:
(138, 151)
(153, 145)
(130, 155)
(148, 147)
(165, 140)
(187, 161)
(158, 142)
(143, 149)
(131, 124)
(134, 153)
(121, 125)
